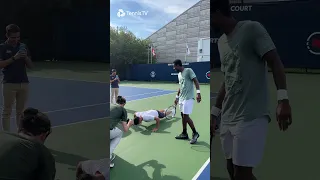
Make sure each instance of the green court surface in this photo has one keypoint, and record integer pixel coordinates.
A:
(144, 155)
(71, 143)
(288, 155)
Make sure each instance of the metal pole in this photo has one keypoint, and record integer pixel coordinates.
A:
(151, 53)
(148, 53)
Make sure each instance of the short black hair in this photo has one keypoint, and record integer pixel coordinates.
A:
(136, 120)
(85, 177)
(121, 100)
(12, 28)
(177, 62)
(223, 6)
(34, 122)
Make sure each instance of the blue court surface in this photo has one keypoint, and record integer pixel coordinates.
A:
(135, 93)
(67, 101)
(204, 172)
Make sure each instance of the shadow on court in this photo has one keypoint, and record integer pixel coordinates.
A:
(201, 146)
(66, 158)
(146, 128)
(138, 172)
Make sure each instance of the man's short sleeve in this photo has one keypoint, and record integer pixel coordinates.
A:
(28, 51)
(262, 42)
(191, 74)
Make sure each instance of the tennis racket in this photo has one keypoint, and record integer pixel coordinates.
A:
(170, 112)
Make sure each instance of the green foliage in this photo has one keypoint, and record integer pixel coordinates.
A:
(126, 48)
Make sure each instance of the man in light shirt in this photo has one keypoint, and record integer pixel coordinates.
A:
(150, 115)
(93, 170)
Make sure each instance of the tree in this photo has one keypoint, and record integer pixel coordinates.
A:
(126, 48)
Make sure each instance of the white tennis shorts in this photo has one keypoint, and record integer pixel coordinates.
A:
(186, 106)
(244, 142)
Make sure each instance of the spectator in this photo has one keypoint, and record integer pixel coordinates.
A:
(14, 58)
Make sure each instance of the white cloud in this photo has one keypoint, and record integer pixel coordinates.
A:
(172, 7)
(162, 12)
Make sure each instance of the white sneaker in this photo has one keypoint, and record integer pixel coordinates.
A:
(112, 157)
(111, 165)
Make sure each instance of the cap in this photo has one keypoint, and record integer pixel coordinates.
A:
(113, 70)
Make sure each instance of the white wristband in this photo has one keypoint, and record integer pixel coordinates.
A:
(177, 97)
(215, 111)
(282, 94)
(198, 91)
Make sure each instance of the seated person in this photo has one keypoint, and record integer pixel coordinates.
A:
(93, 170)
(150, 115)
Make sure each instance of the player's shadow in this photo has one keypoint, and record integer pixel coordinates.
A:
(201, 146)
(130, 171)
(66, 158)
(164, 124)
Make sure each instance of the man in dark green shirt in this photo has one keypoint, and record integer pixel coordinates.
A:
(118, 114)
(24, 156)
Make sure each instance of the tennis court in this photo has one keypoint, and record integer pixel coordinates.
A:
(145, 155)
(77, 107)
(290, 155)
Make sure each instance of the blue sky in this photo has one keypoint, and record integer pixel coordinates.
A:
(160, 12)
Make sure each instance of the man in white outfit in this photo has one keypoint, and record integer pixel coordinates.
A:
(245, 50)
(151, 115)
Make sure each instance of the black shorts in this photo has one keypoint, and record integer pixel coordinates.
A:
(161, 114)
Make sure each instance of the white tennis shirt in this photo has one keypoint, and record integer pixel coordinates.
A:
(147, 115)
(93, 166)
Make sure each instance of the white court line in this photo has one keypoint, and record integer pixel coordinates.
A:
(103, 117)
(201, 170)
(67, 79)
(98, 104)
(79, 80)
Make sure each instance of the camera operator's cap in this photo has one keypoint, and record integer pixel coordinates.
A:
(113, 70)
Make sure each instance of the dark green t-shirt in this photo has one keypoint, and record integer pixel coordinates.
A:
(117, 114)
(24, 159)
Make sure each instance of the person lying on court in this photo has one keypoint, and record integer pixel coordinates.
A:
(150, 115)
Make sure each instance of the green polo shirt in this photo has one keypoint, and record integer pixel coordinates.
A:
(24, 159)
(117, 114)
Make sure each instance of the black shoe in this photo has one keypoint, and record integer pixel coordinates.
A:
(195, 137)
(182, 136)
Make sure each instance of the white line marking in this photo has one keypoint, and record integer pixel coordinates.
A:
(201, 170)
(101, 117)
(79, 122)
(68, 79)
(98, 104)
(79, 80)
